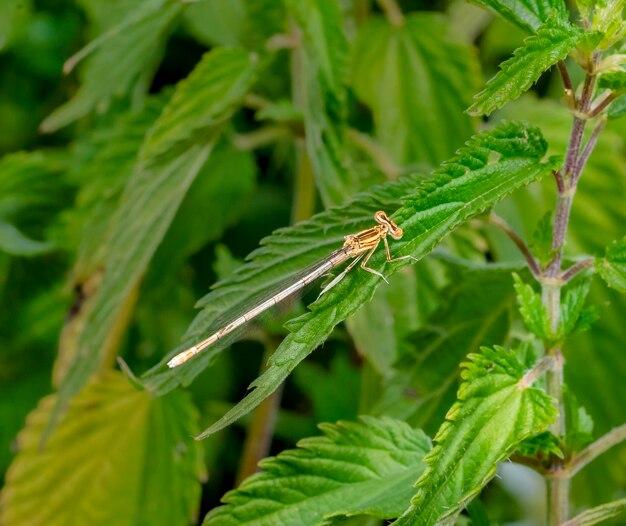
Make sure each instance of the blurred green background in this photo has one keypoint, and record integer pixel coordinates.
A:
(403, 106)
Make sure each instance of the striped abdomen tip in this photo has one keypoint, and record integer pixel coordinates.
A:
(181, 358)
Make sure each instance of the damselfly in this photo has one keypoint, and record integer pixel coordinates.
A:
(359, 247)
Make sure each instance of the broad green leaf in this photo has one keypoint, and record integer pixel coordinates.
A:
(417, 81)
(279, 111)
(476, 311)
(608, 19)
(103, 162)
(319, 385)
(31, 184)
(378, 327)
(496, 410)
(201, 102)
(216, 22)
(540, 447)
(532, 309)
(477, 513)
(10, 13)
(32, 190)
(18, 399)
(598, 514)
(573, 306)
(552, 42)
(186, 131)
(122, 58)
(541, 241)
(264, 19)
(227, 181)
(486, 169)
(612, 267)
(364, 467)
(121, 457)
(323, 68)
(613, 80)
(15, 243)
(105, 16)
(617, 108)
(579, 423)
(527, 14)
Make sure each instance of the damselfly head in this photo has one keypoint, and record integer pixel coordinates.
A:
(392, 229)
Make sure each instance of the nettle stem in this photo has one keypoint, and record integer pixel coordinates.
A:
(552, 282)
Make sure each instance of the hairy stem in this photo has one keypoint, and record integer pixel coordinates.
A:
(576, 268)
(589, 147)
(595, 449)
(567, 81)
(558, 486)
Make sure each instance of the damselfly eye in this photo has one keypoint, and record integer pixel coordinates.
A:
(396, 232)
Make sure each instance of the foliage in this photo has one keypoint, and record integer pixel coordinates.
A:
(358, 467)
(105, 489)
(149, 146)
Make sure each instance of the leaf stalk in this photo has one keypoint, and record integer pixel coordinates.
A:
(595, 449)
(496, 220)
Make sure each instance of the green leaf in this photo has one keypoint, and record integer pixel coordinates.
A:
(227, 180)
(552, 43)
(477, 514)
(32, 190)
(540, 446)
(10, 13)
(323, 101)
(488, 168)
(264, 19)
(201, 103)
(122, 58)
(364, 467)
(216, 23)
(572, 306)
(598, 514)
(103, 162)
(15, 243)
(612, 267)
(496, 410)
(617, 108)
(527, 14)
(613, 80)
(379, 326)
(280, 111)
(579, 423)
(532, 309)
(319, 385)
(417, 82)
(32, 184)
(121, 453)
(608, 19)
(476, 311)
(189, 127)
(541, 244)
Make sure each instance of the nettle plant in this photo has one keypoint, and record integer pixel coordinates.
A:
(509, 321)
